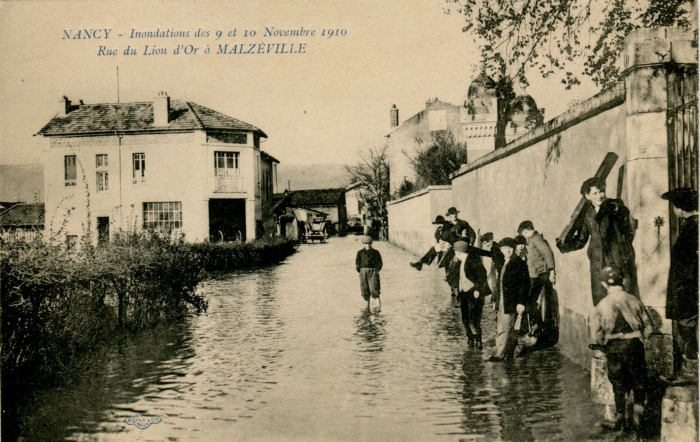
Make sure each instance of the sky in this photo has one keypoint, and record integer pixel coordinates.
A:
(322, 106)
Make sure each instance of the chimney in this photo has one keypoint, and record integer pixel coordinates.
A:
(64, 106)
(394, 115)
(161, 109)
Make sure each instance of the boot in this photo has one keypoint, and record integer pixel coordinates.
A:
(418, 265)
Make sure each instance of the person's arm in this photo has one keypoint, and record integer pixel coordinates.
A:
(543, 247)
(380, 264)
(357, 260)
(577, 238)
(523, 287)
(647, 325)
(596, 331)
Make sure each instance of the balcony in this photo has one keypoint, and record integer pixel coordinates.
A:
(228, 184)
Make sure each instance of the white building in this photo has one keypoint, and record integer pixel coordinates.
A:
(162, 164)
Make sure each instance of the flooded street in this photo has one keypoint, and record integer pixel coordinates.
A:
(289, 354)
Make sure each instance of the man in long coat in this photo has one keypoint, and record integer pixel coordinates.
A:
(682, 291)
(606, 226)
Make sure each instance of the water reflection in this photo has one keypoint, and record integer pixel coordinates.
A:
(290, 353)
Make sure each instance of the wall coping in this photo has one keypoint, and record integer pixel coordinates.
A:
(597, 104)
(419, 193)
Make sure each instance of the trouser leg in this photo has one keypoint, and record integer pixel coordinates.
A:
(504, 335)
(428, 258)
(364, 284)
(464, 309)
(476, 308)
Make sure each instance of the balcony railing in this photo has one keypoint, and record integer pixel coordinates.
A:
(227, 184)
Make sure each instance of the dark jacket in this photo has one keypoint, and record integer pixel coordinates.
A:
(473, 269)
(610, 233)
(515, 280)
(682, 292)
(368, 258)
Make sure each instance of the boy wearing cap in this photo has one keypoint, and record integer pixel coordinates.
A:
(540, 265)
(619, 326)
(512, 294)
(608, 225)
(491, 263)
(368, 263)
(473, 288)
(440, 247)
(520, 247)
(682, 291)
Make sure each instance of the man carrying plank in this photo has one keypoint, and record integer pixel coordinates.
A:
(607, 223)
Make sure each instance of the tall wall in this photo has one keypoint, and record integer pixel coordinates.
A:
(410, 217)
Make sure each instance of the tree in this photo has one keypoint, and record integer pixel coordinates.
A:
(372, 172)
(436, 158)
(562, 35)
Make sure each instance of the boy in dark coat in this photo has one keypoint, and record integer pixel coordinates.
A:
(514, 288)
(619, 327)
(368, 263)
(473, 288)
(682, 292)
(607, 223)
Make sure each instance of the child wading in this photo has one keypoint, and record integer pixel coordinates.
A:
(368, 263)
(618, 327)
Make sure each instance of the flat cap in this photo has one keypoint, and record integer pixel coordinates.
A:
(684, 198)
(366, 239)
(520, 239)
(507, 242)
(439, 220)
(525, 225)
(488, 236)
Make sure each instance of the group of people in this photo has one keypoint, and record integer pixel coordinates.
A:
(520, 273)
(517, 273)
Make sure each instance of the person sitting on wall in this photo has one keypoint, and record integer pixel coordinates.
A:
(441, 246)
(682, 291)
(608, 225)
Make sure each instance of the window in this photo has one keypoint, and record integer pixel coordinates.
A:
(71, 242)
(71, 171)
(139, 168)
(226, 164)
(101, 160)
(162, 216)
(102, 181)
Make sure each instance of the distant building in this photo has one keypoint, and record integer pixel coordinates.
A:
(484, 122)
(21, 221)
(357, 215)
(162, 164)
(311, 203)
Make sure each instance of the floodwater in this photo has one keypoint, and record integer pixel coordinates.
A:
(289, 353)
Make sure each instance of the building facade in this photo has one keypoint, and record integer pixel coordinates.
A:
(484, 123)
(164, 164)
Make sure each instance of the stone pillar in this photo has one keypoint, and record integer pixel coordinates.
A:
(648, 57)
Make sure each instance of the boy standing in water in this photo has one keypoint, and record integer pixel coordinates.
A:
(368, 263)
(619, 327)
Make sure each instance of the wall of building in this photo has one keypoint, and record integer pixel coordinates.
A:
(179, 168)
(403, 139)
(411, 217)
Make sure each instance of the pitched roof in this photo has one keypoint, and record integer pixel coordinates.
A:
(108, 118)
(317, 197)
(23, 215)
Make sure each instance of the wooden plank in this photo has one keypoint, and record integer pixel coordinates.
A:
(602, 172)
